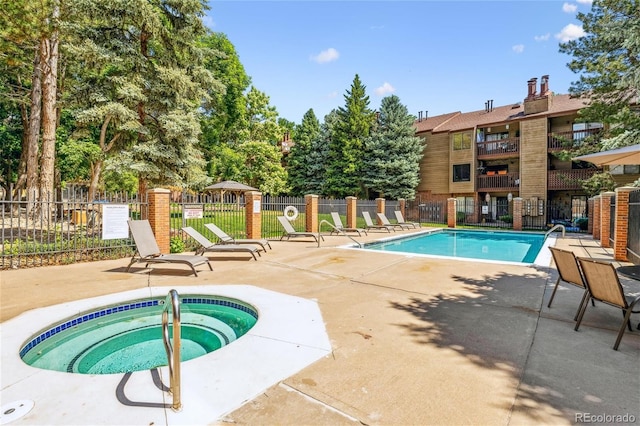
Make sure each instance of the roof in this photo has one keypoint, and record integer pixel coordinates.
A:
(455, 121)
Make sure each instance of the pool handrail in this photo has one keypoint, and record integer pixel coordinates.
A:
(173, 351)
(338, 230)
(558, 226)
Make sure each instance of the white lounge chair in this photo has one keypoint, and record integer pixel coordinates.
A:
(147, 250)
(224, 238)
(290, 232)
(339, 227)
(208, 246)
(370, 225)
(386, 222)
(401, 220)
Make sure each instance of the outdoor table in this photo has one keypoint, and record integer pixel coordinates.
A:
(632, 271)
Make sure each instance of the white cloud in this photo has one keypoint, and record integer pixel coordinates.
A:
(385, 89)
(328, 55)
(570, 32)
(585, 1)
(208, 21)
(569, 8)
(518, 48)
(332, 95)
(543, 37)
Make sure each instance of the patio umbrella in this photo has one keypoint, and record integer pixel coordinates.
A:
(626, 155)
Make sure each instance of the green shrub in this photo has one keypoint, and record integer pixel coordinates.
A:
(460, 216)
(176, 245)
(507, 218)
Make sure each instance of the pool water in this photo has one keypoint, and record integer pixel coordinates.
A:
(504, 246)
(128, 337)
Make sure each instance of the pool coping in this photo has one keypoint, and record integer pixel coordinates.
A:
(289, 335)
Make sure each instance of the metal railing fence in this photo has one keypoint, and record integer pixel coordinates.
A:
(61, 230)
(274, 206)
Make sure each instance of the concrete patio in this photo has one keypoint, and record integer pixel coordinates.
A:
(414, 340)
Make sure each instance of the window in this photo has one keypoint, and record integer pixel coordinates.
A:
(461, 141)
(465, 204)
(624, 169)
(462, 172)
(582, 130)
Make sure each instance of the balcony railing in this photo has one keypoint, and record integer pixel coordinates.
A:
(501, 148)
(557, 141)
(567, 179)
(498, 182)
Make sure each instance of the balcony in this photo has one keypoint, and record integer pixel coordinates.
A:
(567, 179)
(498, 182)
(502, 148)
(557, 141)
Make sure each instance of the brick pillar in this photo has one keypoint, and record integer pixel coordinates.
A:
(452, 209)
(159, 216)
(379, 209)
(597, 200)
(253, 214)
(517, 214)
(590, 215)
(311, 212)
(402, 206)
(605, 219)
(621, 237)
(352, 212)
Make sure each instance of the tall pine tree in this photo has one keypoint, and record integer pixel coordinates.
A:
(393, 152)
(346, 147)
(299, 159)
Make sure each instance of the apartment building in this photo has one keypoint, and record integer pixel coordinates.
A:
(486, 158)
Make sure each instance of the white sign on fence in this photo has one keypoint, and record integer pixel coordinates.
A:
(114, 221)
(192, 211)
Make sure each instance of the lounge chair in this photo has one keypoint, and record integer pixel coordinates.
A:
(401, 220)
(603, 284)
(290, 232)
(339, 227)
(224, 238)
(385, 221)
(147, 249)
(207, 246)
(370, 225)
(569, 272)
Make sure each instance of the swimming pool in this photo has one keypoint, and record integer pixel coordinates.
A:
(502, 246)
(128, 337)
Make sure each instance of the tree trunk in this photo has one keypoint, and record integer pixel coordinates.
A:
(96, 171)
(49, 62)
(33, 133)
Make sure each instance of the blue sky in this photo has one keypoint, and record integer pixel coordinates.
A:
(436, 56)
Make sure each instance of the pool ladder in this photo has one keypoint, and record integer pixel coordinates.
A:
(558, 226)
(173, 351)
(340, 231)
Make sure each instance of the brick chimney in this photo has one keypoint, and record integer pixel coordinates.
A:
(544, 85)
(532, 88)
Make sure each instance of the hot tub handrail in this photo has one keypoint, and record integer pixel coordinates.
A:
(172, 301)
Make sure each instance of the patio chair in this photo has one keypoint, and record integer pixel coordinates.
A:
(386, 222)
(569, 272)
(224, 238)
(147, 249)
(339, 227)
(370, 225)
(603, 284)
(290, 232)
(401, 220)
(207, 246)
